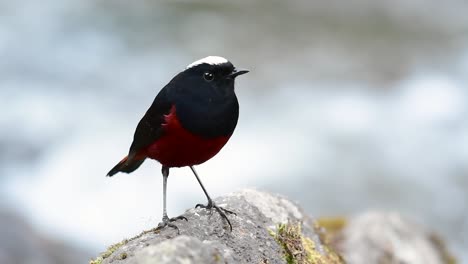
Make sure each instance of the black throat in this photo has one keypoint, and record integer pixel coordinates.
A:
(209, 117)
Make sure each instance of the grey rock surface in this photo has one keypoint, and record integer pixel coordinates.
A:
(270, 229)
(182, 249)
(388, 237)
(205, 238)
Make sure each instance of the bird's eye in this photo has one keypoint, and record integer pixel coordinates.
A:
(208, 76)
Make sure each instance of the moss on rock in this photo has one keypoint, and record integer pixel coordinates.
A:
(447, 257)
(299, 249)
(111, 249)
(332, 224)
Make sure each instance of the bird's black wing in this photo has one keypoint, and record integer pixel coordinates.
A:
(149, 128)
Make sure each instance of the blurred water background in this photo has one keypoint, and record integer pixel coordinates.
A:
(350, 105)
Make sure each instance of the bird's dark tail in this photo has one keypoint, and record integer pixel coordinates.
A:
(126, 165)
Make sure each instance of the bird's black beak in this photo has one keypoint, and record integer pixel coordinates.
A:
(237, 72)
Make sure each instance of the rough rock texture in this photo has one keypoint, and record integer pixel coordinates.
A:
(271, 229)
(267, 229)
(385, 237)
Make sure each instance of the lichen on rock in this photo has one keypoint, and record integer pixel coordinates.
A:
(111, 249)
(300, 249)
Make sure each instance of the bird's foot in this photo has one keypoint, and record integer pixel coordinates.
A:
(166, 221)
(221, 211)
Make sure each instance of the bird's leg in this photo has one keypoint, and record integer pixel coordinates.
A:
(222, 212)
(166, 221)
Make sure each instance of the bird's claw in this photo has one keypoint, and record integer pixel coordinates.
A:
(180, 217)
(222, 211)
(166, 221)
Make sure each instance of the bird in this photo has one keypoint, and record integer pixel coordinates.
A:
(189, 122)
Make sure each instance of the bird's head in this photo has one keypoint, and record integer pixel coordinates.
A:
(212, 72)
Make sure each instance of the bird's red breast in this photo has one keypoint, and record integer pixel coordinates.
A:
(178, 147)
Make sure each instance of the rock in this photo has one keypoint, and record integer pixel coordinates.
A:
(181, 249)
(267, 229)
(271, 229)
(386, 237)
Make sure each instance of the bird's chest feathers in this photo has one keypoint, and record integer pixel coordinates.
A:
(179, 147)
(208, 117)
